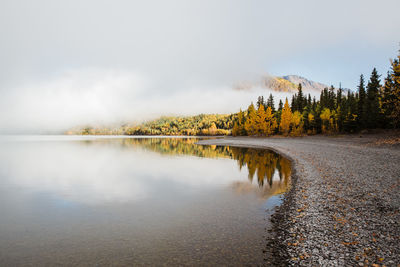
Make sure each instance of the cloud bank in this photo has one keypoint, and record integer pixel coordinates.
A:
(68, 62)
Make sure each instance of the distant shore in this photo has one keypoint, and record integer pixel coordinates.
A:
(343, 206)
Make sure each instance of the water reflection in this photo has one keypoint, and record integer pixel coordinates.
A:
(272, 170)
(134, 201)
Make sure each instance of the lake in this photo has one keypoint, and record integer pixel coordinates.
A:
(111, 200)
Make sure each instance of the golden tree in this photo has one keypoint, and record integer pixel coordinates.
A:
(271, 123)
(250, 124)
(286, 119)
(297, 124)
(326, 120)
(260, 121)
(311, 120)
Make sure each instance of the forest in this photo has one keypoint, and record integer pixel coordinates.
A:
(375, 104)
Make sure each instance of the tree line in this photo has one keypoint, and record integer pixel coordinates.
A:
(374, 105)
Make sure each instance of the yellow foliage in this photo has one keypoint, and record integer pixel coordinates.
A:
(271, 123)
(297, 124)
(250, 124)
(286, 119)
(261, 123)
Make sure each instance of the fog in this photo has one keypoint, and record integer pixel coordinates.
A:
(66, 63)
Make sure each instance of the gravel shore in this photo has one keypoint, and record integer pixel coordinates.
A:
(343, 206)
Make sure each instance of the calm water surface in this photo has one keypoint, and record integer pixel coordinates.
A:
(71, 200)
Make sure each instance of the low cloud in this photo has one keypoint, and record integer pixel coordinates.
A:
(94, 96)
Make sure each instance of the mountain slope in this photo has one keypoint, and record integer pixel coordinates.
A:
(289, 83)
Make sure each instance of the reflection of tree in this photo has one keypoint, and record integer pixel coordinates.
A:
(261, 163)
(264, 163)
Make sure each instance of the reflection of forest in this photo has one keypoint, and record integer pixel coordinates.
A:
(272, 171)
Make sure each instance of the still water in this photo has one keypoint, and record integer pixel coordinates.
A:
(75, 200)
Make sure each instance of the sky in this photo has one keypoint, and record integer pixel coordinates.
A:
(67, 63)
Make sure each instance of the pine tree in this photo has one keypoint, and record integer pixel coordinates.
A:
(371, 104)
(395, 114)
(300, 98)
(286, 119)
(293, 104)
(361, 101)
(280, 106)
(260, 102)
(387, 99)
(270, 102)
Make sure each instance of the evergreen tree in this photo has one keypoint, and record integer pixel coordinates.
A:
(260, 101)
(270, 103)
(387, 99)
(309, 102)
(331, 98)
(300, 98)
(371, 104)
(395, 114)
(293, 105)
(361, 101)
(280, 106)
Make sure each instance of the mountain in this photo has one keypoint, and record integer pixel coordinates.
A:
(289, 83)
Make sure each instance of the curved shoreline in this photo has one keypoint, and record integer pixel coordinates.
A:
(342, 207)
(275, 251)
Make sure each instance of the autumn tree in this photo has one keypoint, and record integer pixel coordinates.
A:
(297, 124)
(271, 122)
(250, 124)
(286, 119)
(325, 119)
(260, 121)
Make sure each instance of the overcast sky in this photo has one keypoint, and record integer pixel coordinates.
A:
(64, 63)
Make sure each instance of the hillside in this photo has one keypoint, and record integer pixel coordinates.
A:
(289, 83)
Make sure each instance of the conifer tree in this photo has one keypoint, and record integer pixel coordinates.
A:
(371, 104)
(270, 103)
(300, 98)
(260, 101)
(361, 101)
(387, 99)
(280, 106)
(293, 105)
(395, 114)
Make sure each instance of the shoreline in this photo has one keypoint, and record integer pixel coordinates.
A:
(342, 207)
